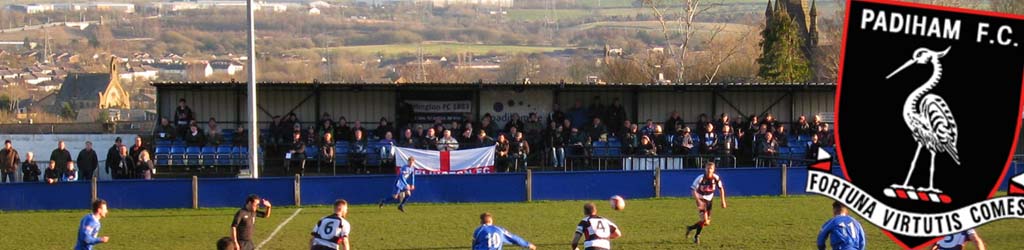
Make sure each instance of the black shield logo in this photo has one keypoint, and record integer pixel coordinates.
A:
(908, 128)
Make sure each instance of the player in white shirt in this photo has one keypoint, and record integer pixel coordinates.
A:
(331, 232)
(958, 241)
(704, 192)
(596, 232)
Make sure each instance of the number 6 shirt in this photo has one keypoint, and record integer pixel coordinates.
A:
(329, 231)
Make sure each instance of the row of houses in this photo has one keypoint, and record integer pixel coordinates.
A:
(36, 8)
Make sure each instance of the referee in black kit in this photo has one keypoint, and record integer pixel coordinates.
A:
(245, 220)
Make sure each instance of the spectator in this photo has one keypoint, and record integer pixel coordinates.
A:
(727, 142)
(327, 150)
(383, 127)
(324, 124)
(112, 156)
(29, 169)
(816, 124)
(292, 120)
(596, 129)
(631, 140)
(648, 129)
(533, 128)
(145, 166)
(520, 150)
(195, 138)
(824, 134)
(241, 138)
(165, 131)
(514, 122)
(123, 164)
(184, 116)
(556, 114)
(408, 140)
(567, 126)
(438, 125)
(60, 157)
(781, 136)
(342, 130)
(578, 114)
(723, 120)
(430, 140)
(297, 155)
(136, 148)
(768, 147)
(661, 140)
(51, 175)
(419, 133)
(487, 124)
(69, 174)
(466, 139)
(812, 147)
(674, 120)
(88, 162)
(770, 121)
(468, 126)
(274, 131)
(357, 151)
(702, 123)
(579, 142)
(482, 140)
(684, 142)
(801, 127)
(616, 116)
(501, 151)
(709, 140)
(9, 160)
(626, 127)
(556, 141)
(753, 124)
(647, 147)
(455, 126)
(310, 137)
(358, 126)
(447, 143)
(386, 151)
(213, 134)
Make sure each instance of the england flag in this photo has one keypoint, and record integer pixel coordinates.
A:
(466, 161)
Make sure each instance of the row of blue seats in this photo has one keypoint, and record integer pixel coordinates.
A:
(208, 155)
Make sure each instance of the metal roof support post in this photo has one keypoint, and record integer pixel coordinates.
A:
(254, 130)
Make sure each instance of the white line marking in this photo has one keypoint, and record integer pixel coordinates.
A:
(285, 222)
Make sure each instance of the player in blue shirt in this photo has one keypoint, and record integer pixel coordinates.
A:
(845, 232)
(958, 241)
(89, 228)
(405, 183)
(491, 237)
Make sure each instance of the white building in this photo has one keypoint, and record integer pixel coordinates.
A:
(30, 8)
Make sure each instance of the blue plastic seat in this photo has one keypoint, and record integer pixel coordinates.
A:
(177, 155)
(193, 155)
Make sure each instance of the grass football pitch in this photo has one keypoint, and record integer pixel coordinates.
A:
(748, 223)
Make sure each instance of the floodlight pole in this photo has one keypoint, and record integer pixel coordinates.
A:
(254, 130)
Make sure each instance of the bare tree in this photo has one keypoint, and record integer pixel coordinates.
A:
(688, 11)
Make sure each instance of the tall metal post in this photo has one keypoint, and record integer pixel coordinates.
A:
(254, 130)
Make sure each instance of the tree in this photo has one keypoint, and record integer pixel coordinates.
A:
(782, 59)
(515, 69)
(101, 36)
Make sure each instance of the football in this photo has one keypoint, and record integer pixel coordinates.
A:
(618, 203)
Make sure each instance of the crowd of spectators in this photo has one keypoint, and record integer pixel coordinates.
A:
(121, 163)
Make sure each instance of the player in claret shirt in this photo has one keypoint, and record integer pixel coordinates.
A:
(704, 192)
(596, 232)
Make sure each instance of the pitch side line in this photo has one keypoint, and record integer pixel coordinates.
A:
(285, 222)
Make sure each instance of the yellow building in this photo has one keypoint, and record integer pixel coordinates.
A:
(95, 90)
